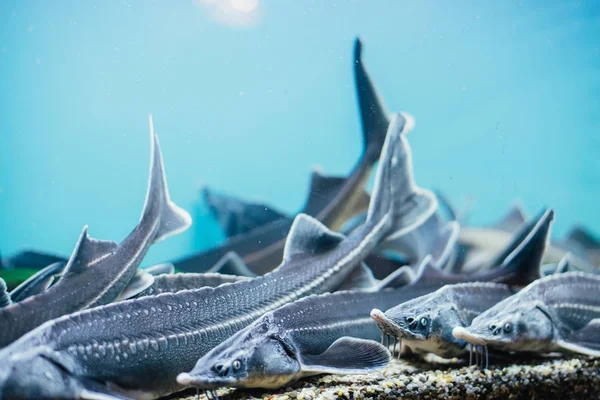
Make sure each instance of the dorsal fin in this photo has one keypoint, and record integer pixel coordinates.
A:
(309, 236)
(427, 272)
(401, 277)
(512, 221)
(563, 265)
(528, 249)
(88, 251)
(321, 191)
(172, 218)
(583, 238)
(232, 264)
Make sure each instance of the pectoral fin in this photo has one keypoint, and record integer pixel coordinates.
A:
(347, 355)
(584, 341)
(141, 281)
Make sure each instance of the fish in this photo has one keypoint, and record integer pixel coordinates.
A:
(236, 216)
(519, 266)
(424, 324)
(320, 334)
(381, 265)
(141, 345)
(33, 259)
(582, 242)
(171, 283)
(262, 248)
(98, 270)
(5, 299)
(38, 282)
(557, 313)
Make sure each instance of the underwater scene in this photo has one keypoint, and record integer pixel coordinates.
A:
(260, 199)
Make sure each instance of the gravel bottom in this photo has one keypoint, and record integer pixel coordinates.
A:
(574, 378)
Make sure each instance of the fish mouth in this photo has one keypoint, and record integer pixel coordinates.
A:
(386, 325)
(203, 382)
(461, 333)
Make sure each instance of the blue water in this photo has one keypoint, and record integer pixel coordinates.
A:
(506, 95)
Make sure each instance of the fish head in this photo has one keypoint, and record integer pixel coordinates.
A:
(512, 326)
(257, 356)
(425, 324)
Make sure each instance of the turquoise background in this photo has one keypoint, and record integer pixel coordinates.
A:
(506, 95)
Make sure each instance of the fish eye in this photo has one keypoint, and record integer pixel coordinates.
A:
(507, 327)
(236, 365)
(424, 321)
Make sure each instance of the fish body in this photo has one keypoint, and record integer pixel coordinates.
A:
(141, 345)
(99, 270)
(560, 312)
(312, 334)
(171, 283)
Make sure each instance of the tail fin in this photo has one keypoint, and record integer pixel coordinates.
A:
(38, 282)
(373, 115)
(395, 188)
(4, 295)
(173, 219)
(524, 253)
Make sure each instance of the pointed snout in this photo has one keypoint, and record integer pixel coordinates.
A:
(461, 333)
(386, 325)
(202, 381)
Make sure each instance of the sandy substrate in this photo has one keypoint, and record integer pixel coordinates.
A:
(576, 378)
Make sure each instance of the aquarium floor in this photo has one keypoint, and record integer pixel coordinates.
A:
(576, 378)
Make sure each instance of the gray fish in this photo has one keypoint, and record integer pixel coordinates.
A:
(519, 267)
(38, 282)
(262, 248)
(230, 269)
(560, 312)
(237, 216)
(99, 270)
(171, 283)
(141, 345)
(330, 333)
(5, 299)
(582, 242)
(425, 324)
(34, 259)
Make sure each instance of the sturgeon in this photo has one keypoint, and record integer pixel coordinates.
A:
(99, 270)
(262, 248)
(38, 282)
(141, 345)
(518, 265)
(424, 324)
(560, 312)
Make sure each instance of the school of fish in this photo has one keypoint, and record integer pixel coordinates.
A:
(351, 281)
